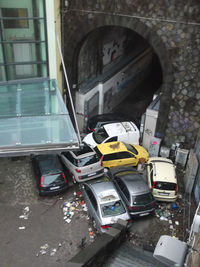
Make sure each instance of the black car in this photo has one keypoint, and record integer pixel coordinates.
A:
(50, 174)
(97, 121)
(133, 190)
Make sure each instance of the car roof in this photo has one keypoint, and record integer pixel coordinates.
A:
(118, 128)
(104, 190)
(111, 147)
(164, 169)
(135, 183)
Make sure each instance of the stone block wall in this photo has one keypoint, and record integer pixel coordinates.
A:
(172, 28)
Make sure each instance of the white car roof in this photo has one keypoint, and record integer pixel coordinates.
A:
(164, 169)
(117, 128)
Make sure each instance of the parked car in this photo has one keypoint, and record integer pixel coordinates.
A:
(133, 190)
(100, 120)
(104, 204)
(83, 164)
(120, 153)
(162, 179)
(125, 131)
(49, 173)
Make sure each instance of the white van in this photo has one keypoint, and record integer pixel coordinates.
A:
(119, 131)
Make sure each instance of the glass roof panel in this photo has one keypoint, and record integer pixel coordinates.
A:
(33, 115)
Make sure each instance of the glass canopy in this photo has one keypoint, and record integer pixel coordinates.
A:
(34, 118)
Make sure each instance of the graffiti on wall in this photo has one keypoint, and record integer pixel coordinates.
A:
(112, 50)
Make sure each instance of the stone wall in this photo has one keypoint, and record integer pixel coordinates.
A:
(172, 28)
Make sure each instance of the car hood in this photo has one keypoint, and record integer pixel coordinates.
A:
(90, 140)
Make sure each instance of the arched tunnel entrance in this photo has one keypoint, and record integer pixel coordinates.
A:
(117, 70)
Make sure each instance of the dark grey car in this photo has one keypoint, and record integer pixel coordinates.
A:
(133, 190)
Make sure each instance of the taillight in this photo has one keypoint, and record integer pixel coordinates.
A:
(93, 130)
(176, 188)
(102, 157)
(154, 185)
(101, 163)
(129, 221)
(41, 181)
(105, 226)
(133, 208)
(77, 170)
(63, 175)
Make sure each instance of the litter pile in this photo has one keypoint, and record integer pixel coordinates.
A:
(44, 249)
(77, 205)
(173, 214)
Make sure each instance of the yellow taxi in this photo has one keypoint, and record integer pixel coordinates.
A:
(120, 153)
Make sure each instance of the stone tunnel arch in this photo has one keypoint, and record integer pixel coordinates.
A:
(78, 37)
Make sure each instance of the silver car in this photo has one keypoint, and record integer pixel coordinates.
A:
(105, 206)
(133, 190)
(83, 164)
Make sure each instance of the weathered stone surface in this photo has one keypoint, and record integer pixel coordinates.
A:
(173, 30)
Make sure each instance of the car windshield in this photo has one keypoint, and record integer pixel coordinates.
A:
(112, 208)
(131, 148)
(100, 135)
(52, 179)
(165, 186)
(142, 199)
(87, 161)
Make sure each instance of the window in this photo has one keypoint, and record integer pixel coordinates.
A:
(131, 148)
(17, 14)
(123, 188)
(112, 209)
(125, 155)
(91, 197)
(23, 48)
(100, 135)
(112, 139)
(109, 157)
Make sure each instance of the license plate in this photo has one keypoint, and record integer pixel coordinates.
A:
(91, 174)
(55, 187)
(163, 194)
(144, 214)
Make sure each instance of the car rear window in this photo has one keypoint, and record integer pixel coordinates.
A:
(165, 186)
(53, 179)
(87, 161)
(100, 135)
(142, 199)
(50, 165)
(112, 209)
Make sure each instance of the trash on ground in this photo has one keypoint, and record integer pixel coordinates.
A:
(22, 227)
(174, 206)
(163, 218)
(53, 252)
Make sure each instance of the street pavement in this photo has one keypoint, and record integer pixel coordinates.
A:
(34, 230)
